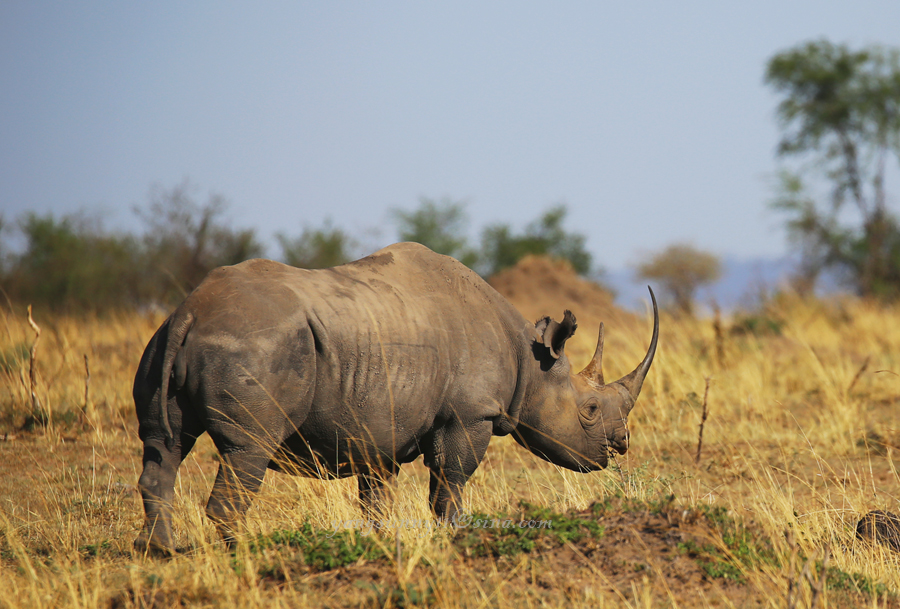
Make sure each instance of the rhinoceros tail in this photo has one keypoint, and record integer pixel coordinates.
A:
(179, 325)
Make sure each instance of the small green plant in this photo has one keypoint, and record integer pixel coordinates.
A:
(835, 579)
(93, 550)
(743, 549)
(322, 550)
(711, 560)
(398, 596)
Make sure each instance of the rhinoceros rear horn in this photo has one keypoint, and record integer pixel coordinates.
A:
(554, 334)
(594, 370)
(633, 382)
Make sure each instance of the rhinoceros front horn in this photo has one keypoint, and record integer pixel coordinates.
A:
(633, 381)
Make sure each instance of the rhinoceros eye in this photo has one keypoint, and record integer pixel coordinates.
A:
(590, 409)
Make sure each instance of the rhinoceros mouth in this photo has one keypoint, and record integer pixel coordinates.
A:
(617, 447)
(574, 461)
(584, 465)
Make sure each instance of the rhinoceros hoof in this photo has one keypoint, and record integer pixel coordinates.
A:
(146, 545)
(881, 527)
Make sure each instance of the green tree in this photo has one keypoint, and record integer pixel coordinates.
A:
(439, 225)
(840, 120)
(681, 269)
(317, 248)
(71, 264)
(502, 248)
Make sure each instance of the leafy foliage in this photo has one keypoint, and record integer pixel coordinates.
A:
(441, 227)
(401, 596)
(72, 263)
(840, 109)
(437, 225)
(836, 579)
(756, 324)
(502, 248)
(317, 248)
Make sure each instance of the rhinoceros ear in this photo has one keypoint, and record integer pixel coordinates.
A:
(553, 334)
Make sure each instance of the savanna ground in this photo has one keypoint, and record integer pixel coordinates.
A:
(799, 442)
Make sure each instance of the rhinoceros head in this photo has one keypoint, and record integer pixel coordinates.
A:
(576, 420)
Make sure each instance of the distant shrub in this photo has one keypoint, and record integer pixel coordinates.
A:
(71, 263)
(317, 248)
(502, 248)
(681, 269)
(759, 324)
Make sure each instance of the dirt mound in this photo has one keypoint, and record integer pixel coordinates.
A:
(539, 286)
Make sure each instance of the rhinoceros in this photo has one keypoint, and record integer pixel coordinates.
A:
(357, 369)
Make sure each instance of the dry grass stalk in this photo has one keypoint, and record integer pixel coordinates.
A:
(858, 374)
(702, 421)
(792, 544)
(32, 361)
(87, 409)
(816, 584)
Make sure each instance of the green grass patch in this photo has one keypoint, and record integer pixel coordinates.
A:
(741, 550)
(410, 595)
(713, 562)
(835, 579)
(534, 527)
(322, 550)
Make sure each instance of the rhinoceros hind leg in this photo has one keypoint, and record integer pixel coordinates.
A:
(238, 480)
(157, 486)
(456, 453)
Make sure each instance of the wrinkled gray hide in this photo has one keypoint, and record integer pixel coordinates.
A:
(356, 370)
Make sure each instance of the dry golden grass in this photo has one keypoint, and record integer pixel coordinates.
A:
(799, 438)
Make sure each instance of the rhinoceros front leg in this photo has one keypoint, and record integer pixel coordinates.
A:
(373, 493)
(455, 454)
(240, 475)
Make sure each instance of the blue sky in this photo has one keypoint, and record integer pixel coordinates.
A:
(649, 120)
